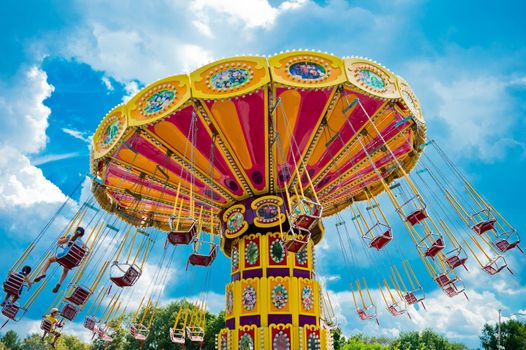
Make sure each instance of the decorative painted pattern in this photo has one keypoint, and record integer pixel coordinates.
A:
(302, 256)
(223, 342)
(313, 341)
(235, 257)
(307, 70)
(111, 132)
(249, 298)
(235, 222)
(246, 342)
(371, 79)
(281, 341)
(307, 298)
(158, 101)
(251, 253)
(277, 251)
(279, 296)
(229, 78)
(229, 302)
(267, 210)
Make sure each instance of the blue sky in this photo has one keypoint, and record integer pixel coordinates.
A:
(65, 64)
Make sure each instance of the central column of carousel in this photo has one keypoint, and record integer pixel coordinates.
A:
(273, 299)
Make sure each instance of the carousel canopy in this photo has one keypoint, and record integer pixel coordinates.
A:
(244, 127)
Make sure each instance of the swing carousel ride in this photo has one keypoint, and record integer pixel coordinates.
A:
(245, 156)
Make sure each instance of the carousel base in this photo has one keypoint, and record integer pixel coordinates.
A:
(275, 337)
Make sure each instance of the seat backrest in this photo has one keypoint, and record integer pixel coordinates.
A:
(13, 284)
(73, 257)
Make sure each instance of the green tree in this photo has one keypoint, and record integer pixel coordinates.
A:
(360, 342)
(513, 335)
(425, 340)
(11, 340)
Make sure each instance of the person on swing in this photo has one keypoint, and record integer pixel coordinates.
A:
(52, 318)
(24, 275)
(66, 242)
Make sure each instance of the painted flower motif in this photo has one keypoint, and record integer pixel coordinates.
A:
(281, 341)
(229, 302)
(246, 342)
(251, 253)
(307, 298)
(307, 70)
(279, 296)
(302, 256)
(277, 251)
(268, 211)
(313, 342)
(371, 79)
(409, 100)
(229, 78)
(158, 101)
(235, 258)
(249, 298)
(235, 222)
(111, 132)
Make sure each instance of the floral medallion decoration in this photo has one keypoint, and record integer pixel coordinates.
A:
(235, 222)
(409, 99)
(371, 79)
(158, 101)
(235, 257)
(229, 78)
(307, 70)
(268, 211)
(277, 251)
(313, 342)
(307, 298)
(249, 298)
(111, 132)
(279, 296)
(251, 253)
(246, 342)
(229, 302)
(302, 256)
(281, 341)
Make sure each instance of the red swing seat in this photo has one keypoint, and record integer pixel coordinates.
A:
(139, 332)
(452, 289)
(197, 259)
(129, 276)
(46, 325)
(504, 245)
(177, 336)
(105, 333)
(10, 310)
(14, 283)
(368, 313)
(69, 311)
(195, 333)
(73, 257)
(295, 242)
(396, 310)
(496, 265)
(415, 296)
(435, 247)
(182, 235)
(380, 240)
(416, 208)
(416, 216)
(90, 323)
(456, 257)
(484, 226)
(305, 214)
(443, 279)
(79, 295)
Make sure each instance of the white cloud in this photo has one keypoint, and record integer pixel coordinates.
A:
(79, 135)
(131, 89)
(48, 158)
(107, 83)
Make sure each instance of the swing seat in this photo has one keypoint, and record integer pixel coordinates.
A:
(396, 310)
(496, 265)
(504, 245)
(73, 257)
(139, 332)
(106, 338)
(484, 226)
(46, 325)
(13, 284)
(455, 261)
(368, 313)
(410, 298)
(305, 214)
(435, 248)
(295, 242)
(182, 235)
(197, 259)
(90, 322)
(443, 279)
(131, 274)
(415, 296)
(381, 241)
(79, 295)
(10, 311)
(416, 217)
(452, 289)
(177, 336)
(195, 333)
(69, 311)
